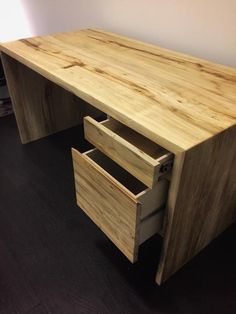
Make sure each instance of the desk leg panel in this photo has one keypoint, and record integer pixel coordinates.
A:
(41, 107)
(202, 201)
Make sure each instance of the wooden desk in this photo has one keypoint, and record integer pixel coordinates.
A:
(185, 105)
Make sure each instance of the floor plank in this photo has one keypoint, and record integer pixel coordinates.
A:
(16, 295)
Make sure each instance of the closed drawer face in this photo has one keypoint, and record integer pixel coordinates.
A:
(143, 158)
(122, 207)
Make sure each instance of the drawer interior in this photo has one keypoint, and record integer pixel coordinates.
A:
(141, 142)
(117, 172)
(151, 199)
(151, 225)
(144, 159)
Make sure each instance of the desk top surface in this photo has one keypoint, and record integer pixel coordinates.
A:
(176, 100)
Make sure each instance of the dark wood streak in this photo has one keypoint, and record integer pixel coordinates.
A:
(73, 64)
(29, 43)
(200, 66)
(63, 57)
(197, 65)
(145, 92)
(135, 87)
(136, 49)
(38, 46)
(77, 62)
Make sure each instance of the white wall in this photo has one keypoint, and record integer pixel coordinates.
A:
(205, 28)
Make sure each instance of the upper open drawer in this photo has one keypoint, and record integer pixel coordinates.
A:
(143, 158)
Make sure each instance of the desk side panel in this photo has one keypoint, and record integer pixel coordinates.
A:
(41, 107)
(202, 201)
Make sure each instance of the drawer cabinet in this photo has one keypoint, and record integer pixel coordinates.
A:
(143, 158)
(126, 210)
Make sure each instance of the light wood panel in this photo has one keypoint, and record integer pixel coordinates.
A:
(202, 200)
(114, 211)
(41, 107)
(116, 201)
(128, 148)
(176, 100)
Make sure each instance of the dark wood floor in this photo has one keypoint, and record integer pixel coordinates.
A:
(53, 259)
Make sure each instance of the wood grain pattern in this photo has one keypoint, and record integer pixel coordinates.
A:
(176, 100)
(127, 148)
(41, 107)
(202, 200)
(184, 104)
(116, 209)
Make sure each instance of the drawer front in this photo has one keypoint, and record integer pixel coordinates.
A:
(129, 149)
(112, 208)
(122, 207)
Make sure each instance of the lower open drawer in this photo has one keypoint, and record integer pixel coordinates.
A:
(122, 207)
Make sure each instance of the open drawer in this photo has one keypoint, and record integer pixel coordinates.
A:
(123, 208)
(143, 158)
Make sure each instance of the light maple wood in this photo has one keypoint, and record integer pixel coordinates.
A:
(201, 202)
(41, 107)
(175, 100)
(115, 200)
(184, 104)
(143, 158)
